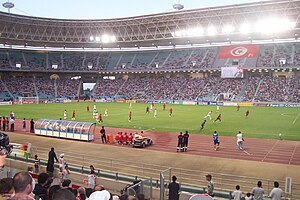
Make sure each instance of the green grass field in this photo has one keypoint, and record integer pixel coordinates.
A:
(263, 122)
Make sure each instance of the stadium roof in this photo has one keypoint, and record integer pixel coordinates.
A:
(276, 19)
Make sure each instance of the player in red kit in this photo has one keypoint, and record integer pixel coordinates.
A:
(170, 112)
(218, 118)
(125, 138)
(152, 104)
(130, 138)
(129, 116)
(73, 115)
(238, 107)
(164, 106)
(100, 119)
(247, 113)
(88, 108)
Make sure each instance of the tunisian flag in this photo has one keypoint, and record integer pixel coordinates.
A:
(239, 51)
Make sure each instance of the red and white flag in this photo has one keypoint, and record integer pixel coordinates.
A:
(239, 51)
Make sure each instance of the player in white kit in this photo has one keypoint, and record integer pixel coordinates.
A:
(94, 112)
(65, 114)
(155, 113)
(208, 115)
(106, 113)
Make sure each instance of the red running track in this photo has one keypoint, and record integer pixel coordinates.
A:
(264, 150)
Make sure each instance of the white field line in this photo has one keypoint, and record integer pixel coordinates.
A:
(296, 118)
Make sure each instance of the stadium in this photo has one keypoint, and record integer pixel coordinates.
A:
(159, 74)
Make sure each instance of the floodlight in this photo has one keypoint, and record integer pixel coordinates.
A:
(194, 32)
(91, 38)
(245, 28)
(227, 29)
(190, 32)
(90, 66)
(183, 32)
(199, 31)
(18, 65)
(178, 33)
(113, 38)
(105, 38)
(211, 30)
(98, 39)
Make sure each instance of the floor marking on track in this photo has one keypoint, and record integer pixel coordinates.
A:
(246, 152)
(292, 156)
(296, 118)
(270, 150)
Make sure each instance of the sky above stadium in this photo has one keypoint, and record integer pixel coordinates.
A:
(104, 9)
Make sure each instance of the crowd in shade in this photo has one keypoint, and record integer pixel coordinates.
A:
(281, 89)
(162, 88)
(183, 88)
(278, 55)
(42, 87)
(270, 55)
(250, 88)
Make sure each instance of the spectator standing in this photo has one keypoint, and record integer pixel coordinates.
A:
(210, 185)
(36, 164)
(92, 169)
(258, 192)
(174, 189)
(276, 193)
(237, 194)
(32, 126)
(7, 123)
(22, 183)
(61, 162)
(103, 135)
(40, 189)
(24, 125)
(65, 173)
(12, 124)
(91, 180)
(3, 121)
(50, 163)
(248, 196)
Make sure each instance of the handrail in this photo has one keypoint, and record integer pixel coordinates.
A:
(185, 176)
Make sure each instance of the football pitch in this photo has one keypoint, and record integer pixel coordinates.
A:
(262, 122)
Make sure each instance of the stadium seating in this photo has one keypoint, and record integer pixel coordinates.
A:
(270, 55)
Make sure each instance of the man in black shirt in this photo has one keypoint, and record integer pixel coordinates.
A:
(174, 189)
(50, 163)
(103, 135)
(40, 190)
(31, 126)
(179, 145)
(185, 140)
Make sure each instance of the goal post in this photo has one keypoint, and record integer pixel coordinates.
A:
(28, 100)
